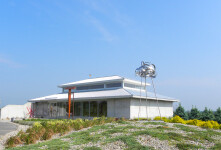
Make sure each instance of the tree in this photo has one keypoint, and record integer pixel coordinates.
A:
(181, 112)
(217, 115)
(194, 113)
(207, 115)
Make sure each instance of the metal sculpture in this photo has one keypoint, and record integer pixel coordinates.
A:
(147, 70)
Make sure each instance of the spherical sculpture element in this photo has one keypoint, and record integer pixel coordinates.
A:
(146, 70)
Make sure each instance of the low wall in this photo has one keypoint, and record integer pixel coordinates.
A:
(15, 111)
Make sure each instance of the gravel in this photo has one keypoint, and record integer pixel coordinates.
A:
(149, 141)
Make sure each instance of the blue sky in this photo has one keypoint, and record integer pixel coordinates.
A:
(46, 43)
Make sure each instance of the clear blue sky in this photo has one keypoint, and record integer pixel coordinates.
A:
(47, 43)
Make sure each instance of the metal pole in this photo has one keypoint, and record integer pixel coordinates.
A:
(140, 98)
(156, 96)
(146, 96)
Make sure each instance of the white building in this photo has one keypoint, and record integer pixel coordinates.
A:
(112, 96)
(15, 111)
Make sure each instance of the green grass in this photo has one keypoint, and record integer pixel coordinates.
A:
(155, 123)
(51, 145)
(130, 138)
(217, 146)
(185, 128)
(92, 148)
(183, 146)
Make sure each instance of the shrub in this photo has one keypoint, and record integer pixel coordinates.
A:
(13, 141)
(177, 119)
(48, 134)
(217, 115)
(181, 112)
(194, 114)
(157, 118)
(207, 115)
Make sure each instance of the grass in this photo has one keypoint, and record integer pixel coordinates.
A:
(183, 146)
(155, 123)
(93, 135)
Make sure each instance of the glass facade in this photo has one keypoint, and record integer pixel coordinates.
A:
(60, 109)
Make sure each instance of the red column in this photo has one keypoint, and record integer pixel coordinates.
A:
(69, 103)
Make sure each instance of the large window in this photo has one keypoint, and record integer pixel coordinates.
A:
(112, 85)
(93, 109)
(102, 109)
(77, 109)
(86, 109)
(99, 86)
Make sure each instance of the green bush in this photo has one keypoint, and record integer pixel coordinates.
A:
(217, 115)
(194, 113)
(181, 112)
(207, 115)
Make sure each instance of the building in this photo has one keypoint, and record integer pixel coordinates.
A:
(112, 96)
(15, 111)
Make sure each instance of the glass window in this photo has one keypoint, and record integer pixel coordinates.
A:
(103, 109)
(99, 86)
(133, 86)
(112, 85)
(77, 109)
(93, 109)
(86, 109)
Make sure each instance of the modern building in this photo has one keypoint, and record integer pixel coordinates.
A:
(112, 96)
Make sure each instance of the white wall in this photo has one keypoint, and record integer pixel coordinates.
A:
(15, 111)
(118, 108)
(149, 109)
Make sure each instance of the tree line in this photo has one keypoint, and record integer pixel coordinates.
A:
(194, 113)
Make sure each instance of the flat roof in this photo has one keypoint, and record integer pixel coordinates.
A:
(100, 80)
(104, 94)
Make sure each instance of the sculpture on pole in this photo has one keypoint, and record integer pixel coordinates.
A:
(144, 71)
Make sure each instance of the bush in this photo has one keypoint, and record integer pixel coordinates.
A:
(181, 112)
(194, 114)
(207, 115)
(13, 141)
(157, 118)
(177, 119)
(217, 115)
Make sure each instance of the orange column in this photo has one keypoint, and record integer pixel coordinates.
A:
(69, 103)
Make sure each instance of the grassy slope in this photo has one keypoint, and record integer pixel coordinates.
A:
(128, 133)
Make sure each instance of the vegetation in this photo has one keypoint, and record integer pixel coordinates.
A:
(104, 135)
(45, 129)
(194, 114)
(217, 115)
(181, 112)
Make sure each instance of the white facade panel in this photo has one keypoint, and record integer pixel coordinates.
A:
(150, 109)
(15, 111)
(118, 108)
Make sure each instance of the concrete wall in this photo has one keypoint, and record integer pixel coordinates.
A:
(118, 108)
(15, 111)
(151, 111)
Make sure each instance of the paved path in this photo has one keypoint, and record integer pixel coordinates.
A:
(6, 127)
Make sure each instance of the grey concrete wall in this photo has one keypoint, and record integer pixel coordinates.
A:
(118, 108)
(150, 108)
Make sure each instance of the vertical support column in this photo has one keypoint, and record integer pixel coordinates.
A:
(69, 103)
(73, 107)
(89, 108)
